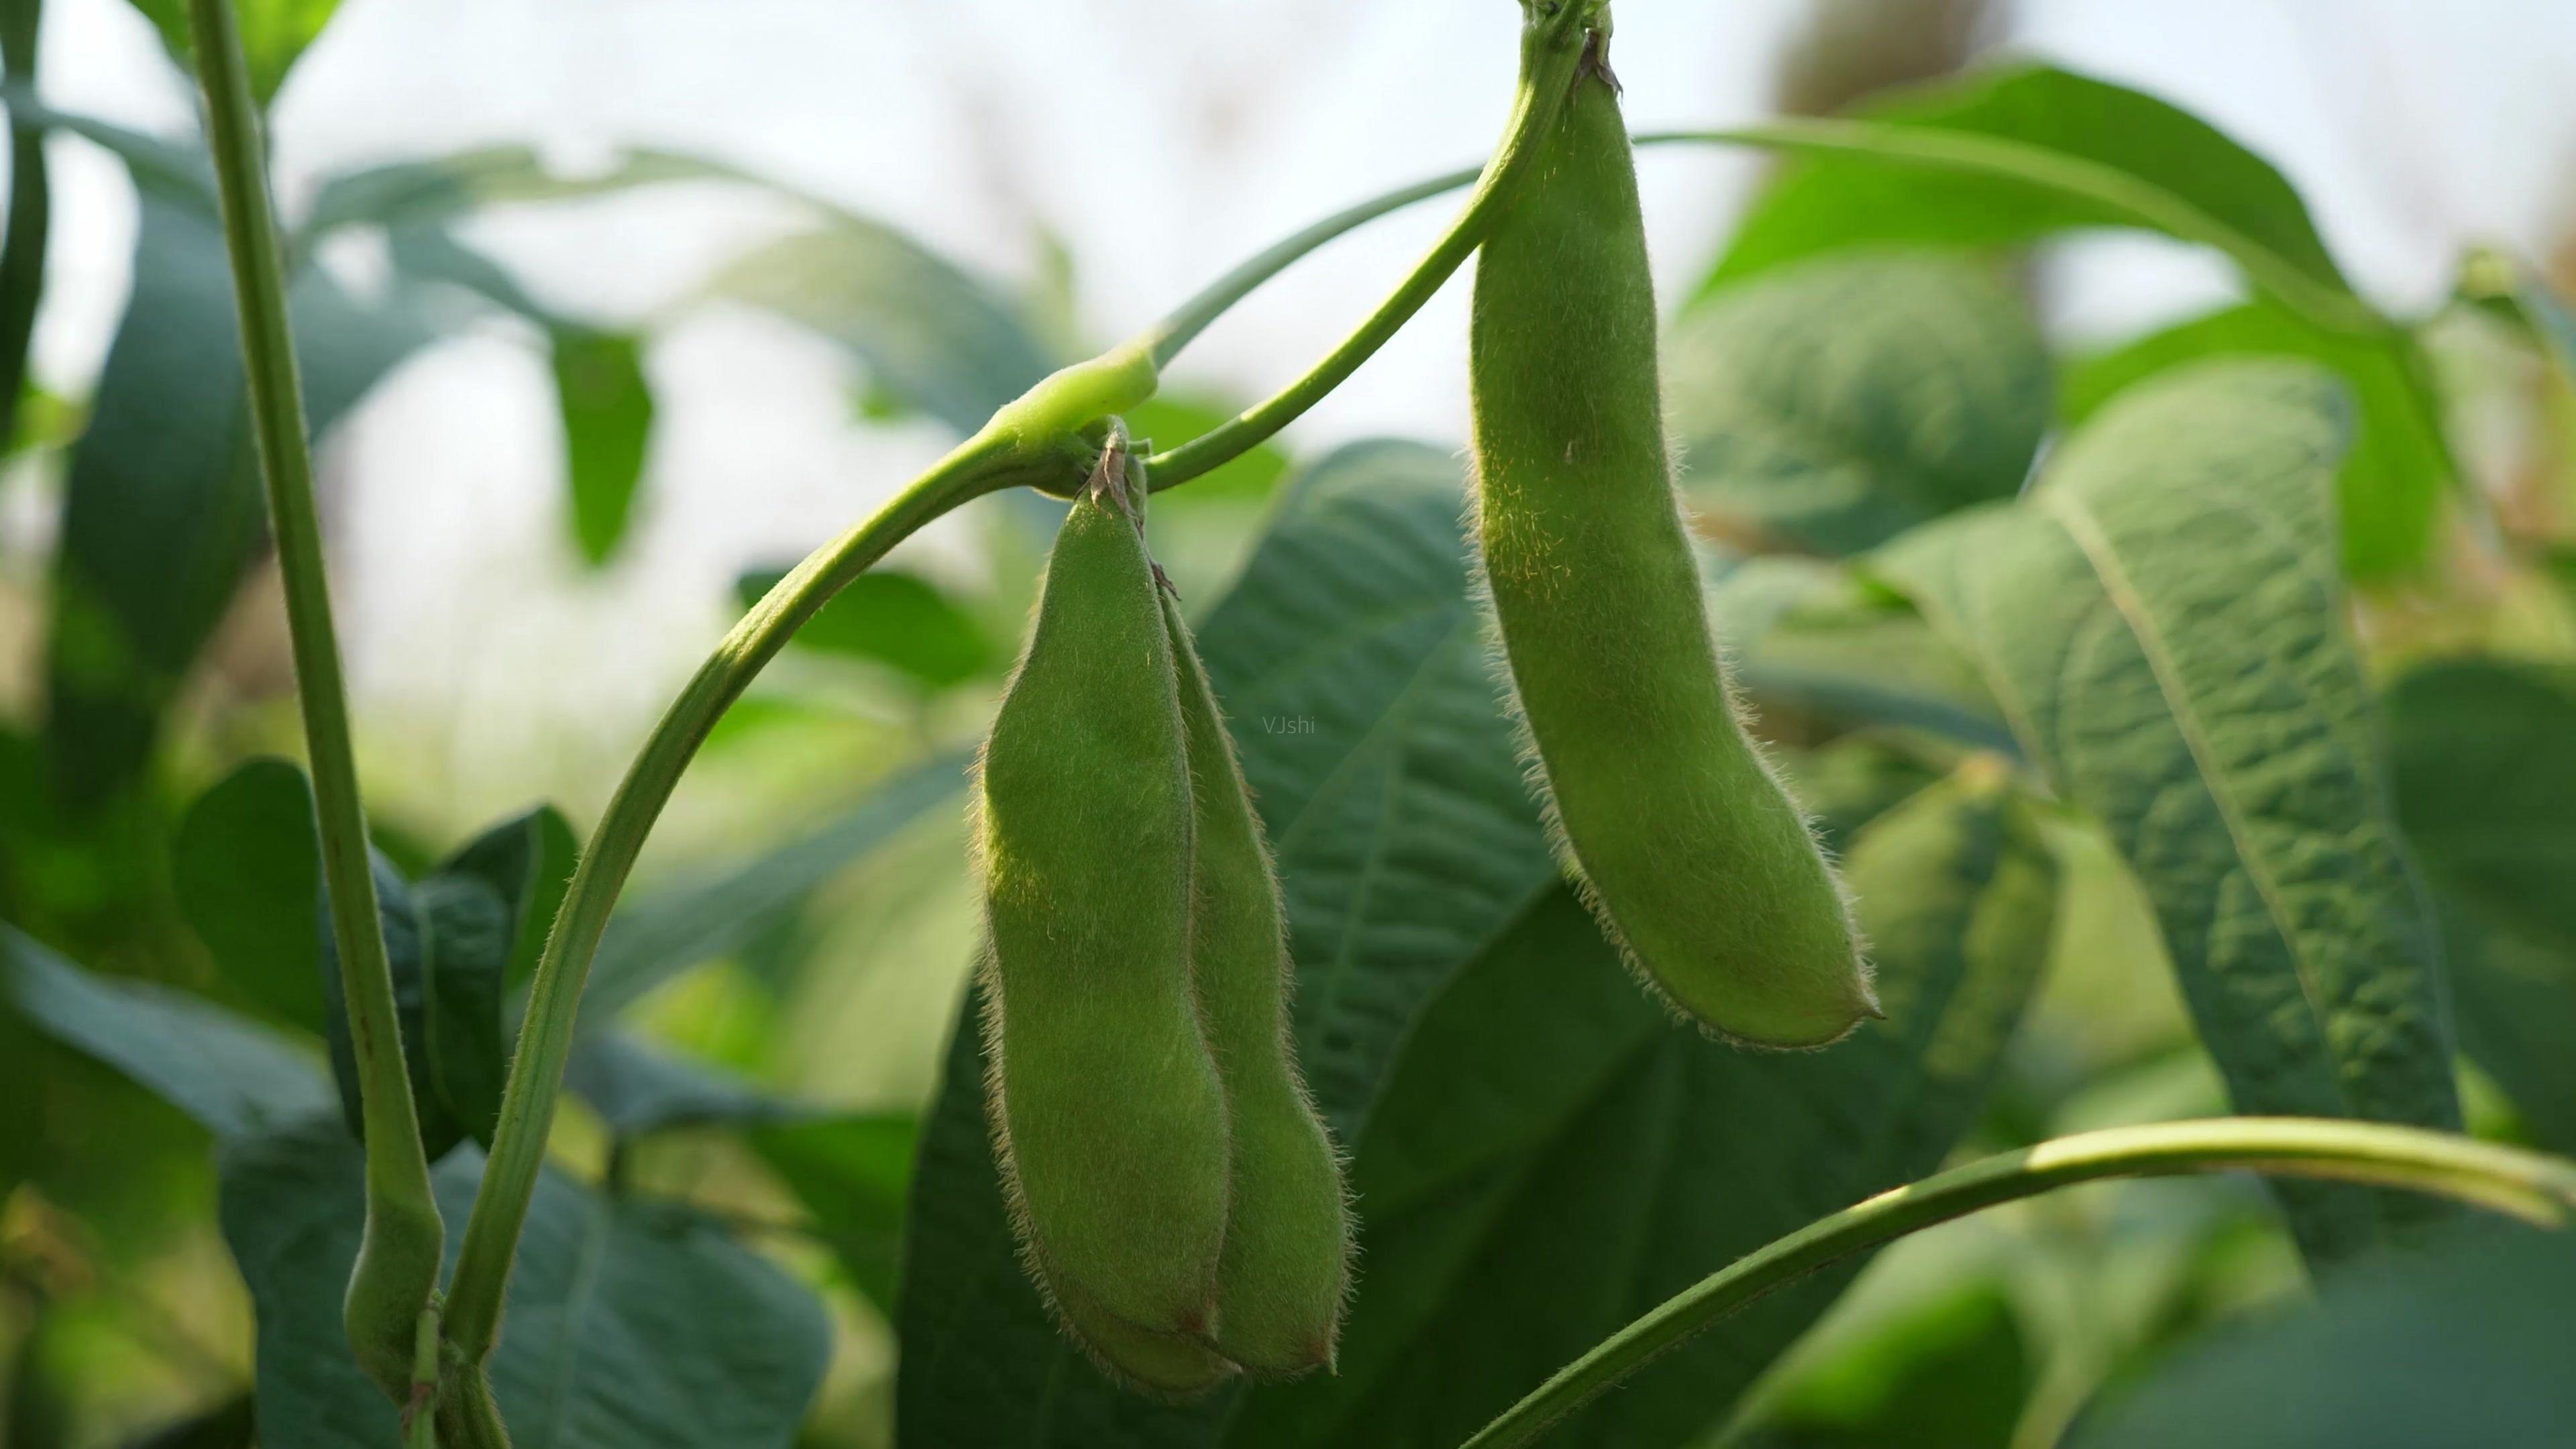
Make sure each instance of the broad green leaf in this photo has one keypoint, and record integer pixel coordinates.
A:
(2515, 1003)
(1802, 635)
(247, 868)
(852, 1174)
(233, 1076)
(232, 1424)
(2463, 1347)
(274, 33)
(1520, 1204)
(411, 937)
(633, 1323)
(527, 860)
(678, 926)
(2399, 469)
(1839, 402)
(466, 930)
(2487, 793)
(1353, 667)
(607, 407)
(402, 195)
(2164, 163)
(2486, 786)
(927, 334)
(897, 619)
(170, 171)
(2162, 621)
(639, 1089)
(162, 508)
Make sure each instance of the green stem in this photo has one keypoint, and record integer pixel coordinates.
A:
(1014, 450)
(22, 255)
(2534, 1187)
(1552, 47)
(400, 1208)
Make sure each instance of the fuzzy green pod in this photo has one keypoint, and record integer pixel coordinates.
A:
(1692, 854)
(1109, 1118)
(1286, 1269)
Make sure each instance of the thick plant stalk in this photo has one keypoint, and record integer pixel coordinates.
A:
(2535, 1187)
(397, 1266)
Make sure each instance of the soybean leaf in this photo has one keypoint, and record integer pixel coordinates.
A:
(632, 1322)
(428, 192)
(232, 1424)
(233, 1076)
(2395, 476)
(161, 510)
(1841, 401)
(466, 931)
(1805, 635)
(607, 408)
(929, 335)
(2162, 622)
(410, 939)
(852, 1173)
(274, 33)
(527, 860)
(2464, 1347)
(639, 1089)
(2155, 153)
(247, 869)
(169, 170)
(1353, 666)
(2486, 787)
(1518, 1205)
(2488, 798)
(678, 926)
(897, 619)
(2515, 1003)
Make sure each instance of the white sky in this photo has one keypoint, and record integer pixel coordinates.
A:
(1161, 141)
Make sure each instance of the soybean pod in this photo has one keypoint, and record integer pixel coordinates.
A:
(1286, 1266)
(1689, 850)
(1108, 1115)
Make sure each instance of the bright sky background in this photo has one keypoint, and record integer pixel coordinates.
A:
(1161, 141)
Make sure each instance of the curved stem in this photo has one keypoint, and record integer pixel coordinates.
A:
(398, 1194)
(22, 255)
(1551, 48)
(1182, 325)
(2532, 1186)
(1000, 456)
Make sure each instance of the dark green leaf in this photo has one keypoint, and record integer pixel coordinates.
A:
(2162, 622)
(2466, 1347)
(2486, 786)
(633, 1324)
(1519, 1204)
(2399, 469)
(670, 930)
(1354, 668)
(852, 1174)
(466, 928)
(247, 867)
(1845, 400)
(927, 333)
(893, 618)
(527, 860)
(233, 1076)
(2515, 1002)
(409, 939)
(1852, 199)
(162, 510)
(639, 1089)
(608, 426)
